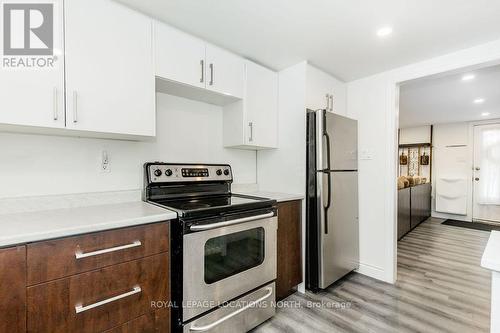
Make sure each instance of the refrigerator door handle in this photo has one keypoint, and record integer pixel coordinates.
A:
(329, 200)
(329, 176)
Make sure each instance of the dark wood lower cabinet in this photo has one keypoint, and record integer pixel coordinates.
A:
(51, 306)
(13, 289)
(116, 296)
(143, 324)
(289, 265)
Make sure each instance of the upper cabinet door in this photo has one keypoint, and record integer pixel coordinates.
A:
(34, 96)
(109, 69)
(225, 72)
(179, 56)
(261, 106)
(323, 91)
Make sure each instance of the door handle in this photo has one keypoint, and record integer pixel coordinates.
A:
(80, 255)
(56, 109)
(80, 308)
(476, 179)
(478, 168)
(211, 74)
(228, 223)
(250, 124)
(327, 102)
(331, 102)
(232, 314)
(75, 106)
(202, 64)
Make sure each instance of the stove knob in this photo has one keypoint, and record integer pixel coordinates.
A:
(226, 172)
(157, 172)
(168, 172)
(218, 172)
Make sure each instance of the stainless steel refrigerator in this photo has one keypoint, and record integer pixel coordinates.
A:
(332, 233)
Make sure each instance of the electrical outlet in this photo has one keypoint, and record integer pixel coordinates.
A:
(105, 161)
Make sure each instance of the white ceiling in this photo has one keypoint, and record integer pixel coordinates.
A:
(447, 98)
(338, 36)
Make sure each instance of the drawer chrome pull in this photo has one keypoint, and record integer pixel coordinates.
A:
(232, 314)
(228, 223)
(80, 255)
(80, 308)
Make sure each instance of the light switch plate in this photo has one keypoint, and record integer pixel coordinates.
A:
(366, 154)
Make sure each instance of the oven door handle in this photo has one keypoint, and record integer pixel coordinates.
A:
(232, 314)
(227, 223)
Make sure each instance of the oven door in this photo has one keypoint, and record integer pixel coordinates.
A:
(222, 263)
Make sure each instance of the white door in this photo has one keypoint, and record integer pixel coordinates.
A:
(261, 106)
(109, 68)
(179, 56)
(35, 96)
(225, 72)
(487, 173)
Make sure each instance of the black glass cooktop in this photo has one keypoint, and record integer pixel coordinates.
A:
(214, 205)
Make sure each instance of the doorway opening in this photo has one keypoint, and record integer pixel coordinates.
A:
(449, 148)
(448, 184)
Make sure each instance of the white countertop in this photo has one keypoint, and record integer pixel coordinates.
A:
(491, 255)
(24, 227)
(278, 196)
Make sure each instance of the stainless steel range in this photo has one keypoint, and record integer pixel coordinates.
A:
(223, 248)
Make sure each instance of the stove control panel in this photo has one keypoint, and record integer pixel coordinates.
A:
(170, 173)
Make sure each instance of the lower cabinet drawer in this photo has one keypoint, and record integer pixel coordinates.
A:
(60, 258)
(99, 300)
(143, 324)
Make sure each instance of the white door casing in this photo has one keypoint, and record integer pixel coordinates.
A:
(486, 173)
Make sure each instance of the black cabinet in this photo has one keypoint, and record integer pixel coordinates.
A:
(404, 212)
(414, 207)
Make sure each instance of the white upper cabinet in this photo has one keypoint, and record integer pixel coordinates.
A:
(189, 67)
(178, 56)
(35, 96)
(109, 69)
(225, 72)
(323, 91)
(253, 122)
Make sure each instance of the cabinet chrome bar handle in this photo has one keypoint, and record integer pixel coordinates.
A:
(56, 106)
(228, 223)
(331, 102)
(250, 124)
(79, 308)
(80, 255)
(75, 106)
(232, 314)
(327, 102)
(211, 75)
(202, 64)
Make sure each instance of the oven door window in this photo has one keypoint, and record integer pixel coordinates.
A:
(231, 254)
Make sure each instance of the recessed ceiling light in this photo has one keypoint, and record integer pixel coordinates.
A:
(468, 77)
(479, 101)
(384, 32)
(485, 114)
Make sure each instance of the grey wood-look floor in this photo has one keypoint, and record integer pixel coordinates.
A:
(440, 288)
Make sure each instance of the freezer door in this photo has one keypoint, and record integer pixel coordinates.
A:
(339, 137)
(339, 239)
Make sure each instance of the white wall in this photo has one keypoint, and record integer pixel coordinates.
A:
(412, 135)
(187, 131)
(373, 101)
